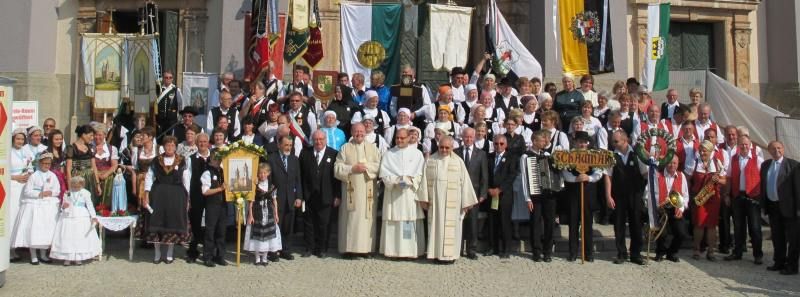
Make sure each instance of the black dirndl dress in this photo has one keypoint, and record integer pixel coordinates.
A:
(169, 222)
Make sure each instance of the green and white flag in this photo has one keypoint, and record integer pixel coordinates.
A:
(371, 39)
(656, 67)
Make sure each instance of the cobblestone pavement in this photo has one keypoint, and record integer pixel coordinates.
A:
(487, 276)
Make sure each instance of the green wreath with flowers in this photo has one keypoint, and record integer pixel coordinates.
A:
(662, 140)
(224, 151)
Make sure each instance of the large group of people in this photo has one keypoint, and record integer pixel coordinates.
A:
(405, 170)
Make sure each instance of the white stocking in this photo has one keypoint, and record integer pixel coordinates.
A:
(157, 248)
(170, 248)
(34, 259)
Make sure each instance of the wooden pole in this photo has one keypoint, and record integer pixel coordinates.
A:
(583, 229)
(238, 233)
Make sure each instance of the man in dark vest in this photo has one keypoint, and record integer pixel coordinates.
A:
(624, 185)
(168, 103)
(213, 186)
(224, 110)
(504, 100)
(299, 83)
(198, 164)
(409, 94)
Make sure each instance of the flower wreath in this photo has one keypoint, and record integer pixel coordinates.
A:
(664, 142)
(224, 151)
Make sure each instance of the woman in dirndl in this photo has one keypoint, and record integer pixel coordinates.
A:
(143, 158)
(707, 170)
(166, 189)
(106, 159)
(80, 158)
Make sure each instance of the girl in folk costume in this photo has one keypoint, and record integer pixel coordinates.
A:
(478, 114)
(602, 111)
(56, 147)
(482, 139)
(444, 121)
(707, 176)
(687, 147)
(166, 189)
(75, 237)
(558, 140)
(263, 236)
(35, 145)
(414, 137)
(38, 212)
(530, 117)
(21, 170)
(106, 159)
(80, 158)
(518, 116)
(144, 157)
(590, 123)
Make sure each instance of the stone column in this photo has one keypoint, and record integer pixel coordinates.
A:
(741, 53)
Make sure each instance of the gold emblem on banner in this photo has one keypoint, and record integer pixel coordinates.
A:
(371, 54)
(656, 48)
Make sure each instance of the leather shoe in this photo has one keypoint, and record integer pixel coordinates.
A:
(776, 267)
(287, 256)
(659, 257)
(272, 257)
(209, 263)
(673, 258)
(547, 259)
(619, 261)
(789, 271)
(488, 253)
(590, 260)
(711, 258)
(504, 256)
(169, 261)
(571, 258)
(472, 256)
(37, 263)
(638, 261)
(536, 257)
(220, 262)
(157, 261)
(191, 260)
(732, 257)
(305, 254)
(758, 261)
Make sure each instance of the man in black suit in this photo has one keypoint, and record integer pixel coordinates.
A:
(286, 178)
(504, 100)
(320, 190)
(780, 184)
(669, 107)
(478, 168)
(501, 180)
(198, 164)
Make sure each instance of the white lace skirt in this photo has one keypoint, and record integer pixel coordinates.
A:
(272, 245)
(36, 223)
(75, 239)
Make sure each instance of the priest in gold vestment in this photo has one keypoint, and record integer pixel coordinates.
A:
(357, 167)
(449, 194)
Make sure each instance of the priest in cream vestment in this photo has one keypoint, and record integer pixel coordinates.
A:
(357, 167)
(402, 233)
(449, 194)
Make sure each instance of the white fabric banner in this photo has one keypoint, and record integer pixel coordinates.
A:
(197, 87)
(450, 27)
(356, 29)
(511, 52)
(105, 71)
(142, 72)
(733, 106)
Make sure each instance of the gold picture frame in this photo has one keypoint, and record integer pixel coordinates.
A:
(240, 170)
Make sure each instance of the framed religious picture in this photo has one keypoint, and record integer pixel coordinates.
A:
(323, 83)
(240, 167)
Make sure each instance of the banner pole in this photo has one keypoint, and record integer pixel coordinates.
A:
(583, 229)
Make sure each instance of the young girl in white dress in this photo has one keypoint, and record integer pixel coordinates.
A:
(263, 236)
(75, 237)
(38, 211)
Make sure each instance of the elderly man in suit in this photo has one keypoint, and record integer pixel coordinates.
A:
(478, 169)
(321, 189)
(501, 180)
(286, 178)
(780, 184)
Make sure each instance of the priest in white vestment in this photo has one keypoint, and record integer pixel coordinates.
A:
(357, 167)
(449, 194)
(402, 233)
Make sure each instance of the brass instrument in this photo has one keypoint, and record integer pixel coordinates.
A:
(708, 189)
(674, 200)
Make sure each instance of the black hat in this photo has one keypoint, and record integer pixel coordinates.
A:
(189, 109)
(505, 81)
(582, 136)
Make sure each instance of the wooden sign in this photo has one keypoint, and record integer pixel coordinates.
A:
(581, 160)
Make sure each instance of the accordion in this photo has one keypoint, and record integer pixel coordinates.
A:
(540, 177)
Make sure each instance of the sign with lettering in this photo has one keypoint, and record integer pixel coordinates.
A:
(24, 114)
(582, 160)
